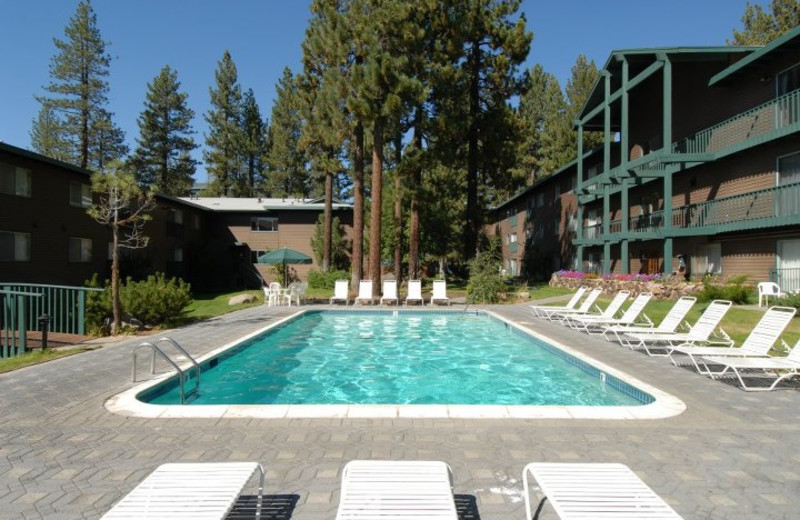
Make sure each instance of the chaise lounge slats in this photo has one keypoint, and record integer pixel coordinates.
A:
(200, 491)
(397, 490)
(595, 491)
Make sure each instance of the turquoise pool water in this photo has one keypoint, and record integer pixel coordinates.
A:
(397, 357)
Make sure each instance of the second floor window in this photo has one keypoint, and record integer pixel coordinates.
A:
(80, 195)
(264, 224)
(15, 180)
(15, 247)
(788, 80)
(80, 250)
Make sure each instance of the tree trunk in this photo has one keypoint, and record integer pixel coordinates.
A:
(327, 224)
(472, 216)
(116, 323)
(376, 207)
(358, 206)
(398, 212)
(413, 223)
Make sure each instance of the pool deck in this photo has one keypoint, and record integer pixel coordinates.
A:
(730, 455)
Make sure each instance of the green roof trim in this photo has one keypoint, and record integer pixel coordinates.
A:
(758, 54)
(42, 158)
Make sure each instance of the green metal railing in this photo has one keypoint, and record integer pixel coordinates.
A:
(65, 305)
(14, 321)
(756, 122)
(788, 279)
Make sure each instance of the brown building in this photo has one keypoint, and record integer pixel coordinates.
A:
(700, 169)
(47, 237)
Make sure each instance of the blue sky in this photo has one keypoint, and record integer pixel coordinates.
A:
(264, 37)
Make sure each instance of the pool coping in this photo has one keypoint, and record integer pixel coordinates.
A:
(664, 404)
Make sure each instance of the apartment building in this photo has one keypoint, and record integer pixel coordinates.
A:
(47, 237)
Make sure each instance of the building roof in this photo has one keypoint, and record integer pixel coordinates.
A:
(639, 59)
(42, 158)
(788, 43)
(258, 204)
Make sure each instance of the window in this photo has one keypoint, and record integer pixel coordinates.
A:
(594, 263)
(196, 221)
(254, 256)
(15, 180)
(80, 195)
(788, 173)
(512, 238)
(177, 255)
(15, 247)
(264, 224)
(557, 192)
(176, 216)
(80, 250)
(707, 259)
(787, 81)
(540, 199)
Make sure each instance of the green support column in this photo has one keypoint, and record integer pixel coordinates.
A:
(579, 230)
(624, 146)
(606, 167)
(667, 130)
(606, 230)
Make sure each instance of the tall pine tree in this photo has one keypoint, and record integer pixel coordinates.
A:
(760, 28)
(74, 122)
(162, 157)
(255, 147)
(223, 154)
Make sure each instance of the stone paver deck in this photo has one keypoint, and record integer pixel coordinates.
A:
(730, 455)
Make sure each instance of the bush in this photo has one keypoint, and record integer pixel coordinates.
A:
(734, 290)
(155, 300)
(320, 280)
(485, 283)
(98, 307)
(790, 300)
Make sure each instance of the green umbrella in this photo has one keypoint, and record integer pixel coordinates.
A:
(284, 256)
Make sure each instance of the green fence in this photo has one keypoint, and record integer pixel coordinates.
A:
(23, 305)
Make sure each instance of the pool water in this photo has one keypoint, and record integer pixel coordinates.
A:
(397, 357)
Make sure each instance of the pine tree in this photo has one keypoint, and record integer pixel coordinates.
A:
(287, 174)
(495, 44)
(225, 138)
(760, 28)
(74, 121)
(579, 87)
(255, 146)
(162, 157)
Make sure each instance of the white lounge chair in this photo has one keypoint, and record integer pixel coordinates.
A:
(439, 292)
(584, 308)
(758, 343)
(608, 313)
(341, 292)
(591, 491)
(269, 298)
(364, 292)
(674, 318)
(703, 331)
(389, 292)
(539, 310)
(414, 292)
(779, 368)
(373, 489)
(595, 324)
(188, 490)
(767, 289)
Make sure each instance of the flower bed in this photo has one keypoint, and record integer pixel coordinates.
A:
(661, 286)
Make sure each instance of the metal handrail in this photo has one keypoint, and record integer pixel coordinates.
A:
(156, 350)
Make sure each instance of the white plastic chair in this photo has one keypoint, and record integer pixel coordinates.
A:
(406, 489)
(207, 490)
(595, 490)
(440, 292)
(767, 289)
(389, 292)
(414, 292)
(364, 292)
(341, 291)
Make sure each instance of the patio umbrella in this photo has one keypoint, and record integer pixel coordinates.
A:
(284, 256)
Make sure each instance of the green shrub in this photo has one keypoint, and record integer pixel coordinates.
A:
(98, 307)
(320, 280)
(790, 300)
(734, 290)
(155, 300)
(485, 283)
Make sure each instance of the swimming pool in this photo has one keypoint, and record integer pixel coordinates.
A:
(386, 357)
(662, 405)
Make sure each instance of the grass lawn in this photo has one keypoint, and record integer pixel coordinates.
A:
(543, 290)
(205, 306)
(37, 356)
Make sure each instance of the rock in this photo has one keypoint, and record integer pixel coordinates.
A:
(242, 298)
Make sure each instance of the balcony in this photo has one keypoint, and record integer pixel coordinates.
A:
(757, 122)
(770, 207)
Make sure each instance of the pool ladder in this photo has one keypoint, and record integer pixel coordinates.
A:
(155, 349)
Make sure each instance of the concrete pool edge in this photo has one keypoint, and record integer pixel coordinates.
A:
(663, 406)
